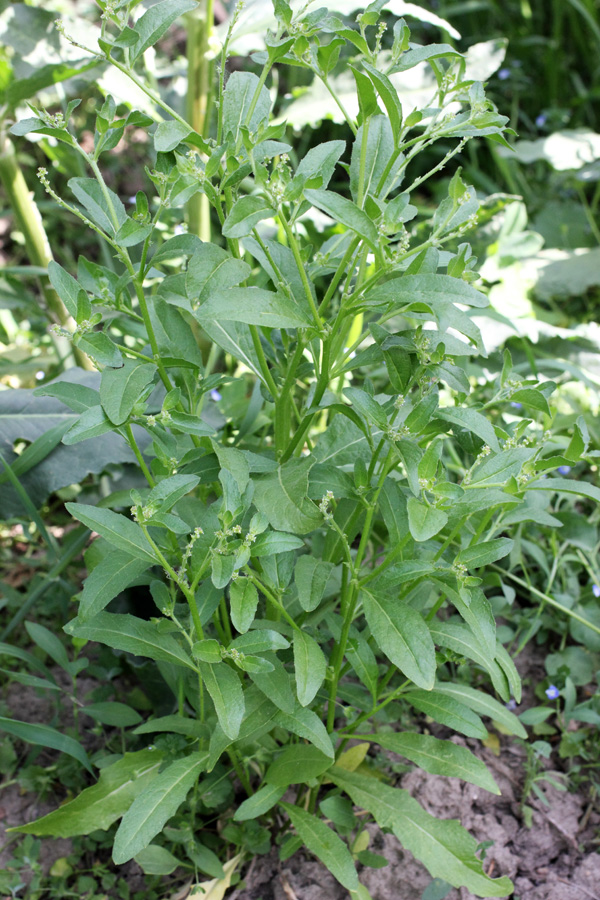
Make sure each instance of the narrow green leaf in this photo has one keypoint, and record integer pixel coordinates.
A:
(151, 26)
(485, 553)
(283, 498)
(484, 705)
(310, 667)
(424, 521)
(325, 844)
(97, 807)
(402, 634)
(243, 598)
(120, 389)
(345, 211)
(442, 845)
(448, 711)
(253, 306)
(259, 803)
(439, 757)
(46, 737)
(226, 693)
(149, 812)
(306, 724)
(115, 572)
(133, 635)
(116, 529)
(311, 576)
(297, 764)
(245, 214)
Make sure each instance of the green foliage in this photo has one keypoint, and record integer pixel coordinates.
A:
(323, 478)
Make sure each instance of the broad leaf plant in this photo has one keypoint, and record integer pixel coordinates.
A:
(323, 492)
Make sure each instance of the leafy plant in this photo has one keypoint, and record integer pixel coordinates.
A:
(324, 491)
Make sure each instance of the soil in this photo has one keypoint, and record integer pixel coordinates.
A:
(555, 859)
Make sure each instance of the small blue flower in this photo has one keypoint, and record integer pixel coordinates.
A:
(552, 692)
(541, 120)
(503, 74)
(179, 229)
(215, 395)
(596, 590)
(564, 470)
(516, 405)
(512, 705)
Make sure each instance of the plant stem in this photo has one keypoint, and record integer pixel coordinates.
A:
(29, 222)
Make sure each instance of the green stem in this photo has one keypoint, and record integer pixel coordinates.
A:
(29, 222)
(199, 30)
(293, 243)
(138, 453)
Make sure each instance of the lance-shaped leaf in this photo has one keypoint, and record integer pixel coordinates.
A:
(325, 844)
(133, 635)
(120, 389)
(400, 631)
(347, 213)
(439, 757)
(259, 803)
(310, 666)
(283, 498)
(116, 529)
(98, 806)
(152, 25)
(226, 693)
(442, 845)
(149, 812)
(45, 736)
(253, 306)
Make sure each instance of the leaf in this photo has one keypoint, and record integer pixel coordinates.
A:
(448, 711)
(49, 643)
(245, 213)
(120, 389)
(99, 346)
(402, 634)
(310, 666)
(462, 640)
(442, 845)
(259, 803)
(151, 26)
(45, 737)
(133, 635)
(320, 161)
(276, 685)
(374, 163)
(311, 576)
(243, 598)
(325, 844)
(485, 553)
(306, 724)
(226, 693)
(116, 529)
(170, 490)
(106, 210)
(239, 93)
(108, 712)
(156, 860)
(91, 424)
(531, 398)
(566, 486)
(424, 521)
(388, 94)
(428, 289)
(347, 213)
(259, 641)
(297, 764)
(282, 496)
(484, 705)
(502, 466)
(148, 813)
(176, 247)
(65, 286)
(439, 757)
(98, 806)
(471, 420)
(273, 542)
(169, 135)
(253, 306)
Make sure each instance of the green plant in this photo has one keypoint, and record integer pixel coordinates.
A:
(323, 492)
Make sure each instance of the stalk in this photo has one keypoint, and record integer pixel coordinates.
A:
(199, 102)
(29, 221)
